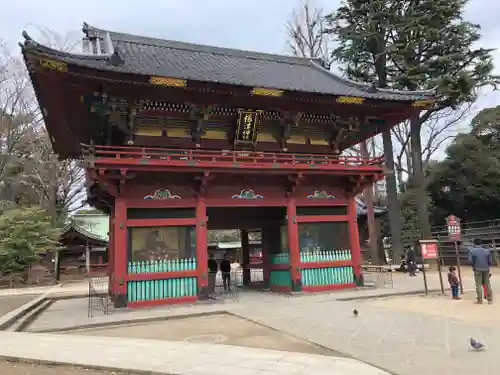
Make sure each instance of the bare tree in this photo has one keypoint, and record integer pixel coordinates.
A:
(59, 184)
(437, 131)
(30, 172)
(306, 36)
(17, 112)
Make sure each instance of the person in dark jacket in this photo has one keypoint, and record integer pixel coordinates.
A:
(213, 268)
(481, 261)
(410, 259)
(225, 269)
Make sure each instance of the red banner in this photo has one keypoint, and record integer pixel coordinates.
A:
(454, 228)
(429, 249)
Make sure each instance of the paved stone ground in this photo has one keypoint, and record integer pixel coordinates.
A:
(23, 368)
(405, 335)
(175, 358)
(9, 303)
(223, 329)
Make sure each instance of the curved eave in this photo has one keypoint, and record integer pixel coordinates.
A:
(62, 149)
(83, 232)
(103, 63)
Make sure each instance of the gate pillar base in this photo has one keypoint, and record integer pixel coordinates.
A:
(296, 285)
(203, 293)
(119, 301)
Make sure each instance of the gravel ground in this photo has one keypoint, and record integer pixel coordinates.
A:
(22, 368)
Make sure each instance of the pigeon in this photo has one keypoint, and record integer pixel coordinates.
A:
(476, 345)
(355, 312)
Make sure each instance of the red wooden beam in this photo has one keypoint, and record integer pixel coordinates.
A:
(161, 222)
(322, 218)
(160, 275)
(160, 203)
(159, 302)
(329, 264)
(137, 167)
(324, 288)
(224, 202)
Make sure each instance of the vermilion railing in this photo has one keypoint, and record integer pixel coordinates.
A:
(221, 157)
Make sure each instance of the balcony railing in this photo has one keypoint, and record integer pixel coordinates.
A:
(122, 155)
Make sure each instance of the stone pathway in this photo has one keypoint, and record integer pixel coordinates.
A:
(407, 335)
(174, 358)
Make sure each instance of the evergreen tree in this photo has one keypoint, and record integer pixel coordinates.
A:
(467, 182)
(25, 233)
(362, 29)
(415, 45)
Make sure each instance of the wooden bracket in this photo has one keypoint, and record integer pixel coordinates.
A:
(289, 120)
(200, 115)
(294, 180)
(123, 176)
(335, 141)
(202, 183)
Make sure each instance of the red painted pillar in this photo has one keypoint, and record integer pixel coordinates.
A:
(354, 240)
(245, 250)
(265, 242)
(201, 248)
(293, 244)
(110, 254)
(120, 250)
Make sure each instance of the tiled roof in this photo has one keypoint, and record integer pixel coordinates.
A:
(94, 226)
(166, 58)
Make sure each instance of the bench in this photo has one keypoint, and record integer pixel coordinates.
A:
(376, 276)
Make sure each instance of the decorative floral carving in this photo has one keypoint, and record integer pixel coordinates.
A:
(321, 194)
(247, 194)
(162, 194)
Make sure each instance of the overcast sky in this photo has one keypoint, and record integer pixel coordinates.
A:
(245, 24)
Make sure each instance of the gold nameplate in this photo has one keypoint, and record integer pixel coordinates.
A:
(168, 82)
(54, 65)
(350, 100)
(267, 92)
(246, 131)
(423, 103)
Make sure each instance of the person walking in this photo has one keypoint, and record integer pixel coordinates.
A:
(225, 269)
(410, 259)
(481, 261)
(213, 268)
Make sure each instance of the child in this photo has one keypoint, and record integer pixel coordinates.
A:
(454, 282)
(484, 287)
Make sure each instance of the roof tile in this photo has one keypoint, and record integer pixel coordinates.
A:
(158, 57)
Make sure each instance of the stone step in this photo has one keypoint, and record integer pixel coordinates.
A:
(24, 321)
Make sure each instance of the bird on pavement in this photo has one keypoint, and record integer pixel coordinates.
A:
(355, 312)
(476, 345)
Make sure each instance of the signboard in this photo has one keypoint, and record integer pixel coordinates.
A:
(246, 132)
(429, 249)
(454, 228)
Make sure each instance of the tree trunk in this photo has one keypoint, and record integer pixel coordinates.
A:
(395, 224)
(409, 161)
(399, 175)
(419, 178)
(372, 225)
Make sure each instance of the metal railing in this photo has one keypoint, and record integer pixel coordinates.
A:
(98, 298)
(229, 157)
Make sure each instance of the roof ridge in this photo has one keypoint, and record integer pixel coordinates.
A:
(31, 44)
(196, 47)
